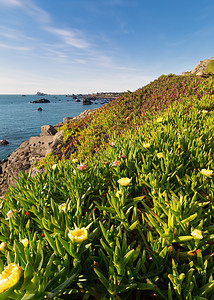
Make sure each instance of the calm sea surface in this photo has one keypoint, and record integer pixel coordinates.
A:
(20, 119)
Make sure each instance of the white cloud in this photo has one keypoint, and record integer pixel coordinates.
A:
(14, 34)
(30, 8)
(6, 46)
(11, 2)
(72, 38)
(33, 10)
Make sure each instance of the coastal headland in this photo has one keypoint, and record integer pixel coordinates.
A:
(32, 150)
(37, 147)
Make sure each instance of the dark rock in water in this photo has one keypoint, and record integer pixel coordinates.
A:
(40, 109)
(4, 142)
(86, 101)
(77, 100)
(41, 101)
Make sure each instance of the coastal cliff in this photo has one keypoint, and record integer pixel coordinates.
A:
(33, 150)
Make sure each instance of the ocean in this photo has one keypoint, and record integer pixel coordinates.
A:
(20, 119)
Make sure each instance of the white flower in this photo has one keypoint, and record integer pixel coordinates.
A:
(197, 234)
(206, 172)
(160, 155)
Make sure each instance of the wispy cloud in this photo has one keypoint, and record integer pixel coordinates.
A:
(11, 3)
(14, 34)
(6, 46)
(70, 37)
(30, 8)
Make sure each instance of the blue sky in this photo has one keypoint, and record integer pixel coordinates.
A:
(85, 46)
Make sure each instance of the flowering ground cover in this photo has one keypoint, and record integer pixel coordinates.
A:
(132, 221)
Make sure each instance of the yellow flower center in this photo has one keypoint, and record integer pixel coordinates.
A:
(9, 277)
(124, 181)
(159, 120)
(160, 155)
(78, 235)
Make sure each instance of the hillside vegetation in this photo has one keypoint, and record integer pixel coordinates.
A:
(130, 214)
(84, 138)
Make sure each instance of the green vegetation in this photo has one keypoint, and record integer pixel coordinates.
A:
(131, 218)
(210, 69)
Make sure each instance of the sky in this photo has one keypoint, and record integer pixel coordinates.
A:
(88, 46)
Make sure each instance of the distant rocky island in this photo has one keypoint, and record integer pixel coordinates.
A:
(40, 94)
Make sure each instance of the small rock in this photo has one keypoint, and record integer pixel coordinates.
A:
(41, 101)
(67, 120)
(86, 101)
(40, 109)
(48, 130)
(4, 142)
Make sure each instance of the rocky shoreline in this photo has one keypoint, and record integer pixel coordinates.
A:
(32, 150)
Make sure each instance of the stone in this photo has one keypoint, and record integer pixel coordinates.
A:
(47, 130)
(4, 142)
(201, 67)
(86, 101)
(77, 100)
(41, 101)
(67, 120)
(39, 109)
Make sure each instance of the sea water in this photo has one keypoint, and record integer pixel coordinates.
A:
(20, 119)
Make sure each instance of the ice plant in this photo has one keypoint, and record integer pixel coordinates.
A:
(124, 181)
(82, 167)
(206, 172)
(197, 234)
(2, 246)
(115, 163)
(146, 145)
(10, 214)
(78, 235)
(160, 155)
(62, 207)
(9, 277)
(74, 160)
(54, 166)
(159, 120)
(118, 193)
(25, 242)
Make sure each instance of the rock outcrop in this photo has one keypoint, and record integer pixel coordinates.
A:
(86, 101)
(200, 69)
(41, 101)
(35, 149)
